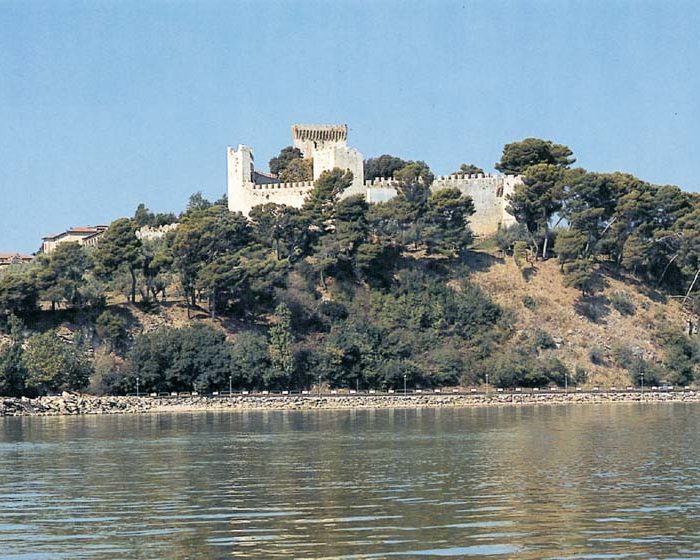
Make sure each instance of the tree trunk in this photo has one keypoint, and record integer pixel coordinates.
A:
(133, 285)
(692, 285)
(546, 242)
(212, 304)
(658, 283)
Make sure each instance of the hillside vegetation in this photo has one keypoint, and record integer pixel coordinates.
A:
(595, 285)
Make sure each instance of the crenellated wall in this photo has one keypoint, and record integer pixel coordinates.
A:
(327, 143)
(244, 192)
(488, 192)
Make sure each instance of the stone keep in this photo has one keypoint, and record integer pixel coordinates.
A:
(327, 145)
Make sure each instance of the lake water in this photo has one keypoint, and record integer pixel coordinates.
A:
(600, 481)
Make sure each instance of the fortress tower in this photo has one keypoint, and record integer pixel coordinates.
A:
(326, 145)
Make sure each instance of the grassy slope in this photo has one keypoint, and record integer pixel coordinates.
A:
(560, 312)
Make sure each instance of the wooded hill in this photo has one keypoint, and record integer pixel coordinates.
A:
(596, 284)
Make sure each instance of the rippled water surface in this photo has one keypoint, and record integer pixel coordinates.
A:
(606, 481)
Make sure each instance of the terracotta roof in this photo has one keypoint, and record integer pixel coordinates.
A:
(87, 230)
(20, 256)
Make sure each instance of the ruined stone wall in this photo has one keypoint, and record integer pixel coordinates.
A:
(148, 233)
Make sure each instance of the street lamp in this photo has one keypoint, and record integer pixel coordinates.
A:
(642, 376)
(230, 385)
(137, 386)
(319, 384)
(404, 384)
(487, 382)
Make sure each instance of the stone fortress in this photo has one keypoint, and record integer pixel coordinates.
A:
(327, 146)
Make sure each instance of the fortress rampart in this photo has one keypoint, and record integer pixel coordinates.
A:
(326, 144)
(488, 192)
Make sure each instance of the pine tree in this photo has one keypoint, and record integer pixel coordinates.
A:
(280, 348)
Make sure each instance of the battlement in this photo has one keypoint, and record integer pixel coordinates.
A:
(320, 132)
(443, 180)
(278, 186)
(380, 182)
(462, 176)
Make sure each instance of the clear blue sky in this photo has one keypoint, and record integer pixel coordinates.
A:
(107, 104)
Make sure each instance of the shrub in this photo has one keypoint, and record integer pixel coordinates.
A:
(530, 302)
(623, 355)
(623, 303)
(681, 356)
(596, 355)
(333, 310)
(13, 373)
(171, 359)
(653, 374)
(518, 369)
(250, 359)
(591, 310)
(506, 238)
(544, 340)
(553, 370)
(107, 374)
(520, 254)
(113, 328)
(447, 365)
(54, 365)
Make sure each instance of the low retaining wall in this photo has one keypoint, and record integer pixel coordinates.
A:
(77, 404)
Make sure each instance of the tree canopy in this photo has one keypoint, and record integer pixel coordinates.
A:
(284, 159)
(518, 156)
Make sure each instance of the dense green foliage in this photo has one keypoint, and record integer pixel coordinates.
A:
(384, 166)
(518, 156)
(344, 293)
(286, 156)
(469, 169)
(45, 363)
(615, 219)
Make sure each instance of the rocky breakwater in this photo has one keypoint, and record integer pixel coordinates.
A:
(71, 404)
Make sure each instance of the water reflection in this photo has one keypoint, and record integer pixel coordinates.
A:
(604, 481)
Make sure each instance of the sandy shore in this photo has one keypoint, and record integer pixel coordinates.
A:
(83, 404)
